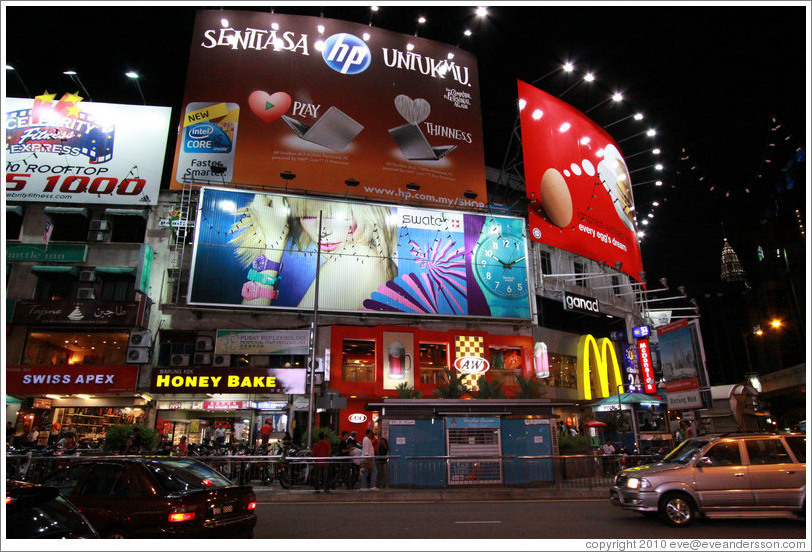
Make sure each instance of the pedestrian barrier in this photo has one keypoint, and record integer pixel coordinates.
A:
(575, 472)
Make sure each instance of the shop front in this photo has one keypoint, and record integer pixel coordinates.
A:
(83, 400)
(372, 363)
(225, 406)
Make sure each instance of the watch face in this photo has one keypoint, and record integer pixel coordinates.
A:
(501, 266)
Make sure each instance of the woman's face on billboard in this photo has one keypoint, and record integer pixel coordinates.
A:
(336, 230)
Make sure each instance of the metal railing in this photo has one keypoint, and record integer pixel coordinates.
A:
(575, 472)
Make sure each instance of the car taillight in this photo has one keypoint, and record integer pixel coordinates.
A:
(9, 499)
(252, 505)
(181, 516)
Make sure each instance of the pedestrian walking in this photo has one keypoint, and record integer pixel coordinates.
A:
(369, 471)
(321, 450)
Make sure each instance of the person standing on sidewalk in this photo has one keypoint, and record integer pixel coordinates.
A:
(383, 462)
(321, 450)
(369, 471)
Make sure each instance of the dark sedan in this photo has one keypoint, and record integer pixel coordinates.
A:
(127, 497)
(38, 512)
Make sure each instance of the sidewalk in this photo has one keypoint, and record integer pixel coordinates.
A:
(474, 493)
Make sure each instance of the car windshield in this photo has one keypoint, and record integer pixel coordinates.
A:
(183, 475)
(686, 451)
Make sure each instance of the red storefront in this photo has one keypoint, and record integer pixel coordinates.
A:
(368, 364)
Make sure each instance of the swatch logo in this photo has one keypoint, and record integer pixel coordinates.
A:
(346, 54)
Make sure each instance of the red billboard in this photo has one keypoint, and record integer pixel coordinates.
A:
(577, 182)
(67, 380)
(330, 101)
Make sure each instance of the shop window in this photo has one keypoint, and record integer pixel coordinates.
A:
(506, 364)
(14, 221)
(546, 262)
(117, 287)
(433, 359)
(69, 227)
(54, 287)
(579, 269)
(616, 285)
(563, 371)
(358, 360)
(177, 348)
(127, 225)
(60, 348)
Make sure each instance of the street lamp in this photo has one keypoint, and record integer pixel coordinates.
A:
(134, 76)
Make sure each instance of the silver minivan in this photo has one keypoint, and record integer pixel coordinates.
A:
(729, 475)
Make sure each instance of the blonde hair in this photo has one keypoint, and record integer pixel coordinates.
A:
(374, 227)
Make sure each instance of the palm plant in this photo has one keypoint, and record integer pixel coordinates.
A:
(406, 392)
(489, 389)
(452, 388)
(529, 388)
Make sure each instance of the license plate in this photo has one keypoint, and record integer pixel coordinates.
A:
(225, 509)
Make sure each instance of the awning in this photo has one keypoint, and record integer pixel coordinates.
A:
(628, 398)
(16, 209)
(115, 270)
(56, 269)
(127, 213)
(66, 211)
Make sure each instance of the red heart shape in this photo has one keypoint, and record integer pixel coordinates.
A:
(268, 107)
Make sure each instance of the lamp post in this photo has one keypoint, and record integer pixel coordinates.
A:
(134, 76)
(314, 341)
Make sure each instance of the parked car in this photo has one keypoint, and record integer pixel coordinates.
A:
(40, 512)
(729, 475)
(159, 497)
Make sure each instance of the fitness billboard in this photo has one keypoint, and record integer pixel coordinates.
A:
(578, 184)
(330, 101)
(256, 249)
(61, 149)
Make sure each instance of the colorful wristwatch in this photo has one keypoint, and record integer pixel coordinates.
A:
(255, 276)
(263, 263)
(252, 290)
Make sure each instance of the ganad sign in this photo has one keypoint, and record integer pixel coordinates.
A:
(580, 303)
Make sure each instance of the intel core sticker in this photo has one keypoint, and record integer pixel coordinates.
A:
(209, 140)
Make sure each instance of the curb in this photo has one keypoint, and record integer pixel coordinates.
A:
(305, 494)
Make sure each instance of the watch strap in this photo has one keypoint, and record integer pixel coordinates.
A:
(255, 276)
(252, 290)
(261, 262)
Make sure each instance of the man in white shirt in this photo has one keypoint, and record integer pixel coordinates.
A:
(369, 472)
(608, 463)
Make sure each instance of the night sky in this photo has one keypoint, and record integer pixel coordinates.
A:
(708, 79)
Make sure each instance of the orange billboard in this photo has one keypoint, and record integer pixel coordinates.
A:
(340, 108)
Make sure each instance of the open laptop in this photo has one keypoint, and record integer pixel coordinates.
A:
(335, 129)
(414, 146)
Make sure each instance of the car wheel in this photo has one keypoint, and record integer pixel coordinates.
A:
(676, 509)
(115, 534)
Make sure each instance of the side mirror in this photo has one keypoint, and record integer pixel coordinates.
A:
(703, 462)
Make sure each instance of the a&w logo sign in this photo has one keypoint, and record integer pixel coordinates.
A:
(471, 365)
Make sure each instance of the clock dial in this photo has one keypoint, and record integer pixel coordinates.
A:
(500, 264)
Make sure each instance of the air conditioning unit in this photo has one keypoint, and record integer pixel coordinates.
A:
(86, 293)
(140, 339)
(179, 360)
(204, 343)
(87, 276)
(100, 225)
(95, 236)
(138, 355)
(221, 361)
(202, 358)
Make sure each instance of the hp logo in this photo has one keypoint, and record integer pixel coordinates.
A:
(346, 53)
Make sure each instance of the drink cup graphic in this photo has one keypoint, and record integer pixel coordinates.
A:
(400, 362)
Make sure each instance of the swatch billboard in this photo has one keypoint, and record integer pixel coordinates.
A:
(62, 149)
(259, 250)
(577, 182)
(330, 101)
